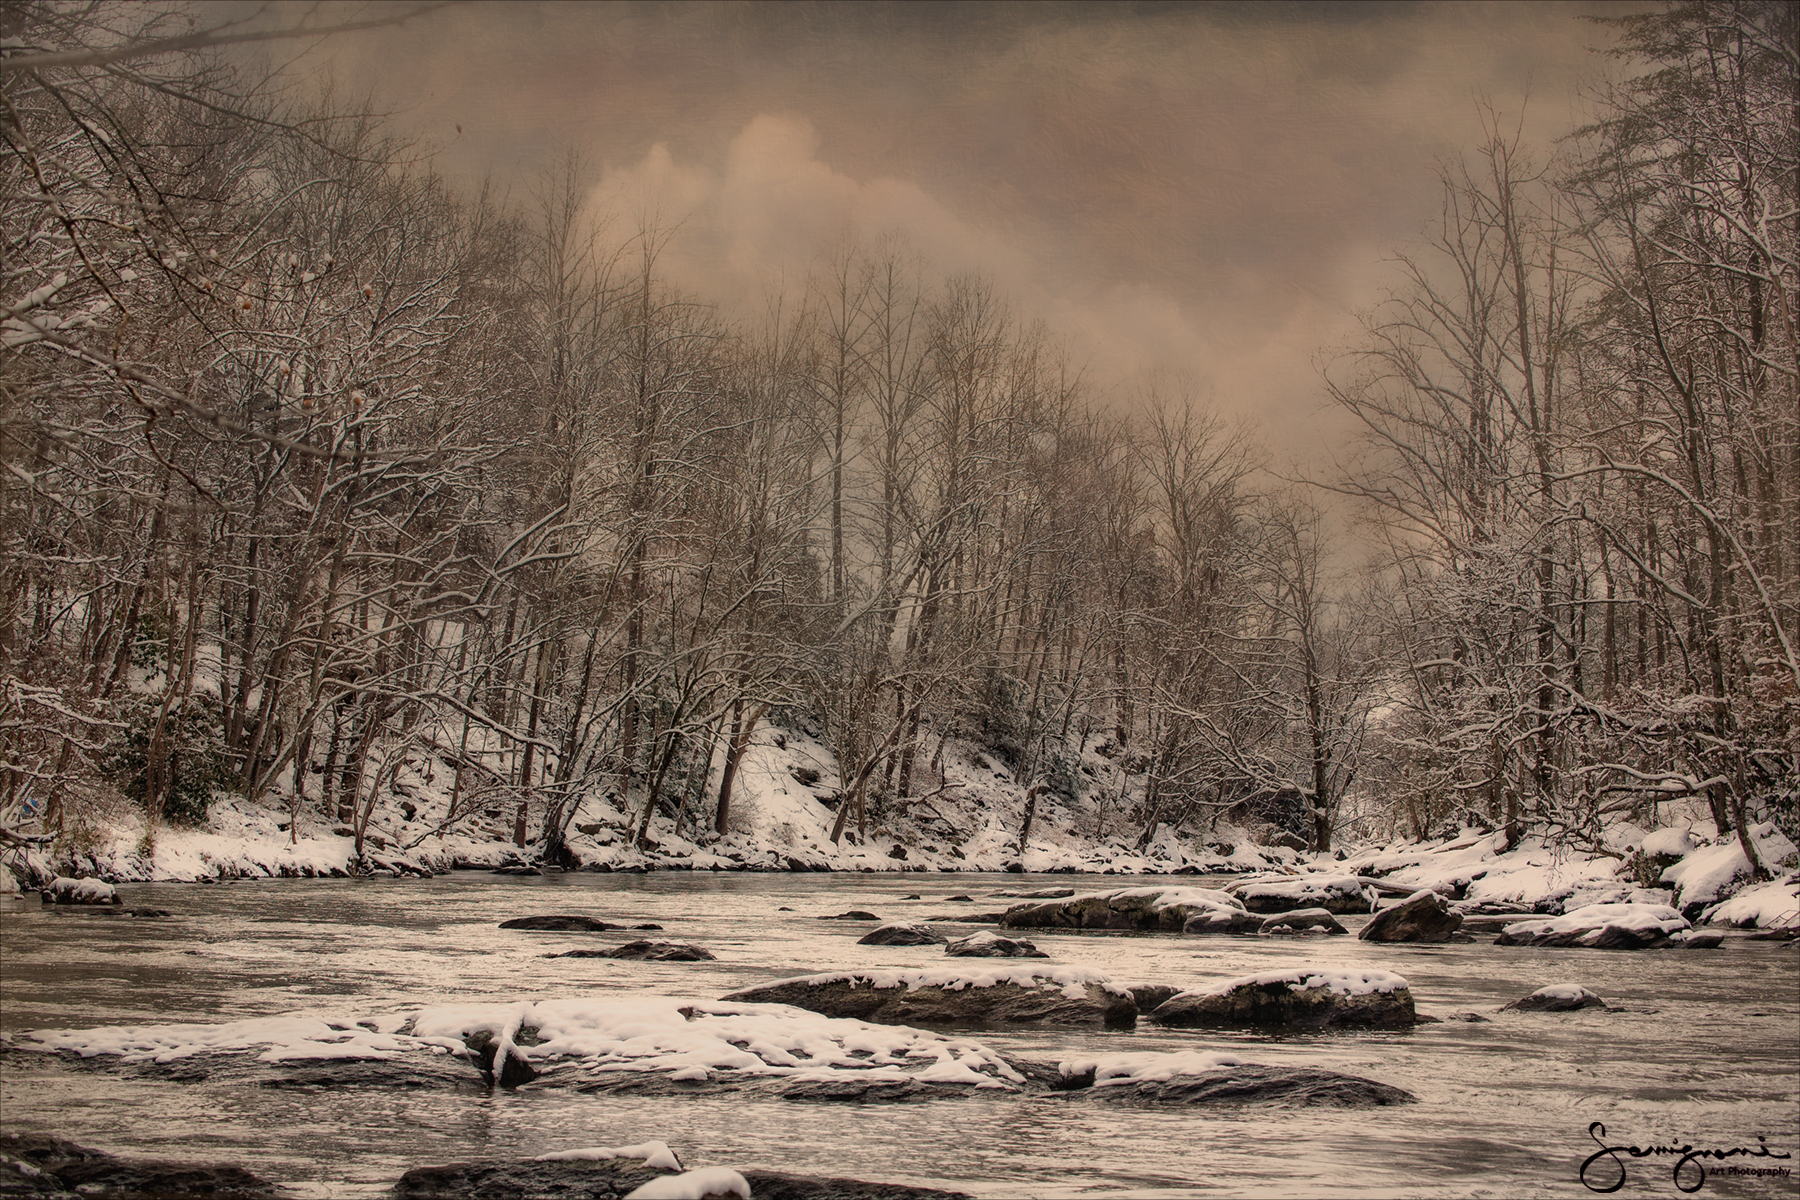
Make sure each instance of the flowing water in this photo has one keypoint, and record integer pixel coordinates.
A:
(1700, 1047)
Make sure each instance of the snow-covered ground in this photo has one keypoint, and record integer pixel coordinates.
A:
(782, 814)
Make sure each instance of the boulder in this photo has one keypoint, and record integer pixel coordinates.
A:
(1301, 920)
(995, 997)
(1149, 995)
(560, 923)
(64, 890)
(1421, 917)
(988, 944)
(902, 933)
(513, 1070)
(39, 1165)
(1254, 1083)
(1225, 920)
(1558, 997)
(645, 952)
(1333, 893)
(855, 914)
(1303, 998)
(1600, 927)
(1148, 908)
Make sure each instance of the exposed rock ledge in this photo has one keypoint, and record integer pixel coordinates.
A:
(996, 997)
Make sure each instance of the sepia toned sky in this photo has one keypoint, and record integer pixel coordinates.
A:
(1203, 191)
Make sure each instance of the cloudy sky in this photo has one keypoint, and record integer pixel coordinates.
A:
(1207, 192)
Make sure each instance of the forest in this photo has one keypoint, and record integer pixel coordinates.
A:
(311, 461)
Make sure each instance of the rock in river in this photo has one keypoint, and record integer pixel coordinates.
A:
(1600, 927)
(1334, 893)
(1304, 998)
(1199, 1077)
(902, 933)
(64, 890)
(996, 997)
(1421, 917)
(855, 914)
(1146, 908)
(988, 944)
(560, 923)
(646, 951)
(1300, 921)
(1558, 997)
(37, 1165)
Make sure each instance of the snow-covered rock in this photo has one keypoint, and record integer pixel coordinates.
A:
(1001, 997)
(1334, 893)
(1558, 997)
(1421, 917)
(1301, 920)
(1711, 873)
(902, 933)
(64, 890)
(1301, 998)
(1148, 908)
(988, 944)
(1773, 905)
(1599, 927)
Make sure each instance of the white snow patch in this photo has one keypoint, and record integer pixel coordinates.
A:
(1635, 917)
(1345, 983)
(1562, 991)
(1672, 840)
(1774, 905)
(1146, 1066)
(654, 1154)
(694, 1185)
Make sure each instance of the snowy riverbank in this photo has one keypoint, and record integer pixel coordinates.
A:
(783, 814)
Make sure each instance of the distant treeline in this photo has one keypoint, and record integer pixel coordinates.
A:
(309, 462)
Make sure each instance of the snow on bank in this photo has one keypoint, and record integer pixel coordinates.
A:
(1710, 873)
(1538, 877)
(1773, 905)
(781, 816)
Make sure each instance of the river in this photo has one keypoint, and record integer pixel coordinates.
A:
(1699, 1048)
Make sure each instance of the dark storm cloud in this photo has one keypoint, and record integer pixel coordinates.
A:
(1208, 189)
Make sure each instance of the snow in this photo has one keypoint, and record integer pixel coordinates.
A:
(1074, 981)
(288, 1038)
(1113, 1070)
(684, 1039)
(1672, 840)
(1707, 875)
(654, 1154)
(1635, 917)
(1562, 991)
(694, 1185)
(1770, 905)
(82, 891)
(1342, 982)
